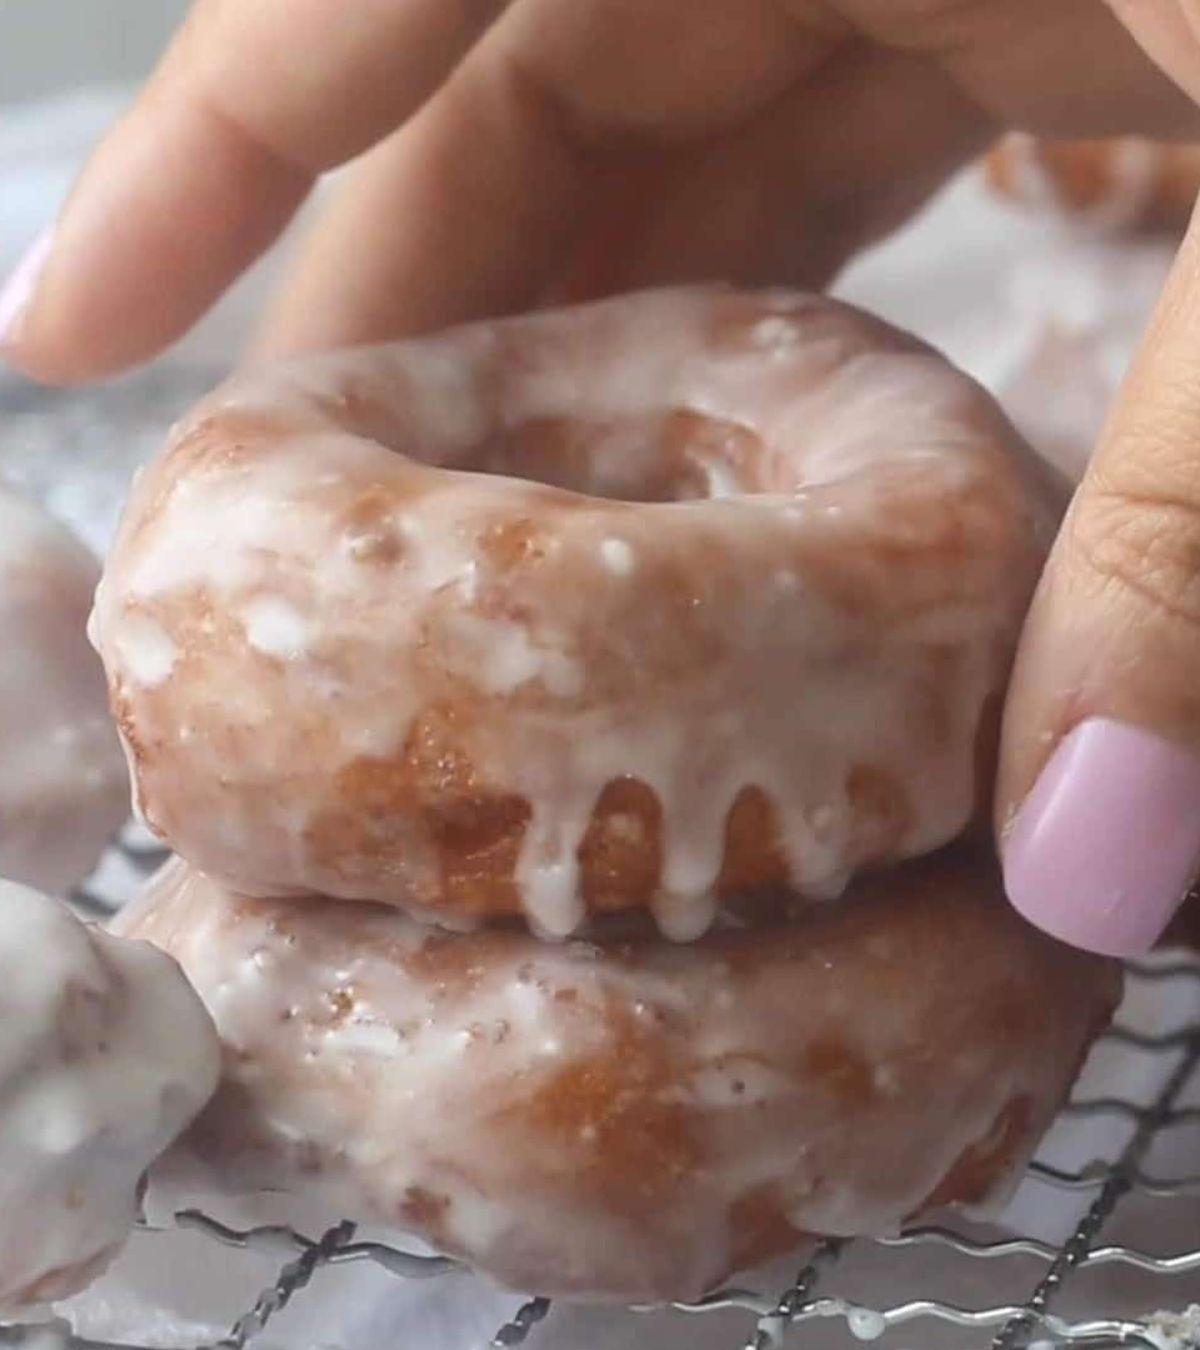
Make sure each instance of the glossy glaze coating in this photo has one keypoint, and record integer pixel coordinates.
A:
(637, 605)
(621, 1117)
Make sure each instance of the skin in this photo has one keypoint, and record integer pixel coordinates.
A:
(509, 154)
(1115, 627)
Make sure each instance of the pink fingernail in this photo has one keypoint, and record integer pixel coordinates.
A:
(1105, 847)
(18, 290)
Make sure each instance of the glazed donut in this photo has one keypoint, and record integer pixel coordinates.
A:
(1121, 184)
(623, 1117)
(64, 789)
(745, 625)
(105, 1055)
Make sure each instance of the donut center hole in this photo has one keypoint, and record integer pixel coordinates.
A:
(679, 456)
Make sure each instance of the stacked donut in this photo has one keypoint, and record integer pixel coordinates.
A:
(572, 730)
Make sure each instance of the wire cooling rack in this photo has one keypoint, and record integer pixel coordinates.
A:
(1028, 1293)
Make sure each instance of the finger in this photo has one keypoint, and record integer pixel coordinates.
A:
(428, 231)
(249, 104)
(476, 203)
(1099, 794)
(813, 179)
(796, 194)
(1169, 33)
(1067, 70)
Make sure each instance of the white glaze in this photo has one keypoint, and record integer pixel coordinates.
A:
(105, 1055)
(275, 628)
(618, 557)
(592, 1117)
(638, 640)
(64, 789)
(147, 651)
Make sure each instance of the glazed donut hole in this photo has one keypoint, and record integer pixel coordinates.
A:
(638, 454)
(679, 456)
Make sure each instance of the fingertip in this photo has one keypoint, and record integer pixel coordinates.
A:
(20, 288)
(1104, 848)
(20, 348)
(171, 208)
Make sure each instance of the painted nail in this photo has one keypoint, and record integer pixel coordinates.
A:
(18, 290)
(1105, 847)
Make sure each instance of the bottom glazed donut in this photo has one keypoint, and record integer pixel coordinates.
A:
(621, 1118)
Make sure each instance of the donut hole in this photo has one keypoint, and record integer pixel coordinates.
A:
(679, 455)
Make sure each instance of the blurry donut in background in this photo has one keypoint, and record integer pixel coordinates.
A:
(1125, 184)
(64, 787)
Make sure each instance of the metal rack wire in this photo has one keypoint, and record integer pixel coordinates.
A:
(1035, 1319)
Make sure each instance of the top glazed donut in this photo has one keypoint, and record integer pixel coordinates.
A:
(636, 604)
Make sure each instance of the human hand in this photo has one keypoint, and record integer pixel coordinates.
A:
(1099, 795)
(546, 148)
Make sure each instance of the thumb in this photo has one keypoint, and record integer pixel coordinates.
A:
(1099, 794)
